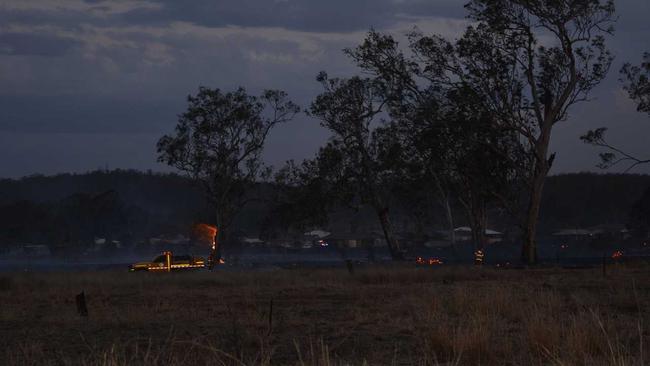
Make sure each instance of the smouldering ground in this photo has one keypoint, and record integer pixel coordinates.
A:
(378, 316)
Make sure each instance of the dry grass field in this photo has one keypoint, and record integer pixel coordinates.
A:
(399, 315)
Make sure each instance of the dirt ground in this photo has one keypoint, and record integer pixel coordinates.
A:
(393, 315)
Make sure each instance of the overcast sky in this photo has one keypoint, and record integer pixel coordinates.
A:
(93, 84)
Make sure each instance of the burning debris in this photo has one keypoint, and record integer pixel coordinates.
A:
(617, 255)
(428, 261)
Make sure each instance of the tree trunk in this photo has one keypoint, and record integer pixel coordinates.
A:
(450, 221)
(215, 251)
(478, 223)
(444, 201)
(529, 254)
(542, 166)
(393, 245)
(478, 231)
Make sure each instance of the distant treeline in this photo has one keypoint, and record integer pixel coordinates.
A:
(132, 206)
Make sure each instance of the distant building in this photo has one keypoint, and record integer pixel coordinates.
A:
(102, 244)
(251, 241)
(175, 243)
(36, 250)
(345, 242)
(433, 243)
(320, 234)
(597, 233)
(573, 233)
(368, 240)
(178, 239)
(613, 231)
(464, 233)
(316, 238)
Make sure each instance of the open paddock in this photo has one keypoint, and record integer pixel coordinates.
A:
(378, 315)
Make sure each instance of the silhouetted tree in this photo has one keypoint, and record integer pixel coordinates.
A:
(418, 139)
(527, 85)
(444, 132)
(483, 162)
(637, 85)
(640, 215)
(25, 222)
(219, 141)
(31, 209)
(83, 217)
(300, 199)
(350, 109)
(411, 181)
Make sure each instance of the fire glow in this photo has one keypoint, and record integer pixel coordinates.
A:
(209, 233)
(428, 261)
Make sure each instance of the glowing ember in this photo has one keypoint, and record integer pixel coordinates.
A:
(428, 261)
(617, 254)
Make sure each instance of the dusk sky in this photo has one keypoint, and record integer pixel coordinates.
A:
(93, 84)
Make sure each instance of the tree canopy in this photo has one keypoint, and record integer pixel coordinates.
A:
(219, 141)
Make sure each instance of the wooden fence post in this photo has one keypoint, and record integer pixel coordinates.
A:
(82, 309)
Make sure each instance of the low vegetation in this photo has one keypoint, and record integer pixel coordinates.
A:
(379, 315)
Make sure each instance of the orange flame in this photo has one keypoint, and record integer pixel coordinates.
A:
(428, 261)
(207, 233)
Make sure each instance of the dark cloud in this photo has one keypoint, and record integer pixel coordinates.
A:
(34, 44)
(305, 15)
(97, 81)
(85, 115)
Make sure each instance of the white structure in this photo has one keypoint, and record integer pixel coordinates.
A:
(320, 234)
(252, 241)
(573, 232)
(464, 233)
(33, 250)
